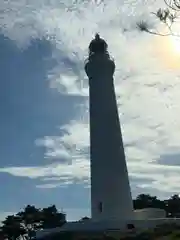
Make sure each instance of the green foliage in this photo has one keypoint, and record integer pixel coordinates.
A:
(12, 227)
(31, 219)
(52, 218)
(171, 205)
(175, 235)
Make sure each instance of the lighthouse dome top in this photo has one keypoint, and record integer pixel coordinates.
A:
(99, 60)
(97, 45)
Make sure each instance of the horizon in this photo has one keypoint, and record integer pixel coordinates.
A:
(44, 122)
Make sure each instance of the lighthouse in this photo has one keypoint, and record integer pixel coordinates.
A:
(111, 198)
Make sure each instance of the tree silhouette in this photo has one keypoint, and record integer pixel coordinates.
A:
(173, 206)
(12, 227)
(148, 201)
(31, 219)
(52, 218)
(168, 16)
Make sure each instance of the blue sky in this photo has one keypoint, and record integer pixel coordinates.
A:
(30, 110)
(44, 135)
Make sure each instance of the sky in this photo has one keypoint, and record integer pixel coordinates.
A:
(44, 123)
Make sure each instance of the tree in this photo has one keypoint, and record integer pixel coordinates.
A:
(167, 16)
(52, 218)
(12, 227)
(144, 201)
(30, 216)
(148, 201)
(173, 206)
(30, 219)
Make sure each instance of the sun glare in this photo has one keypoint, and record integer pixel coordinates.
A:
(175, 44)
(168, 50)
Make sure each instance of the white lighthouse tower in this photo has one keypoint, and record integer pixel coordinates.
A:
(111, 198)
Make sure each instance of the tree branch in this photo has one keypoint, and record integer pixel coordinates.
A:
(166, 17)
(170, 6)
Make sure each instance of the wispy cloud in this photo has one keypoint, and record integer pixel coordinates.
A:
(146, 81)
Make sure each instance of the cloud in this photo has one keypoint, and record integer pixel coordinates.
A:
(146, 82)
(49, 185)
(55, 149)
(73, 163)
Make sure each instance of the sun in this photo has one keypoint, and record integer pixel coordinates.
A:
(167, 50)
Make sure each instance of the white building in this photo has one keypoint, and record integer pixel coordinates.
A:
(111, 200)
(110, 190)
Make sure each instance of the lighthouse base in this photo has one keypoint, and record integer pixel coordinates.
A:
(97, 230)
(90, 229)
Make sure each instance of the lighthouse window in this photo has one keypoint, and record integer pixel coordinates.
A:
(100, 207)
